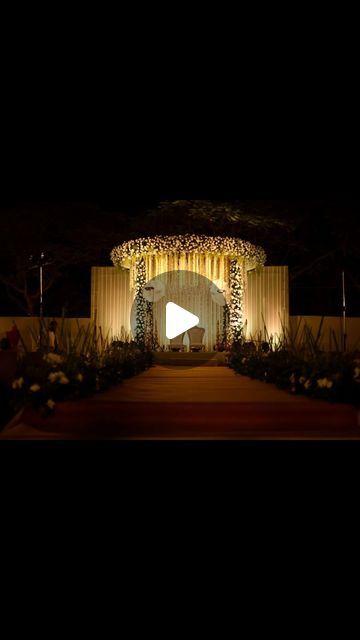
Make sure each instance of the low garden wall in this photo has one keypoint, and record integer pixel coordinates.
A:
(28, 326)
(331, 330)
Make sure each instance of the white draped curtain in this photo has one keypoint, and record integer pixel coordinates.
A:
(267, 302)
(195, 297)
(212, 266)
(216, 268)
(111, 301)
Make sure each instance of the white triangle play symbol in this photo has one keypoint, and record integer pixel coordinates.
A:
(178, 320)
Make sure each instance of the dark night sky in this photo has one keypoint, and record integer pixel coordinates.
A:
(54, 148)
(177, 146)
(71, 161)
(169, 116)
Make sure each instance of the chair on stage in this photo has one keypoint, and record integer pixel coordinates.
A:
(196, 336)
(177, 343)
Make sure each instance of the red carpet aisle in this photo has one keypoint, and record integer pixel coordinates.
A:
(205, 402)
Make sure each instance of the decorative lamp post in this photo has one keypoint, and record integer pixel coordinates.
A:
(39, 263)
(343, 313)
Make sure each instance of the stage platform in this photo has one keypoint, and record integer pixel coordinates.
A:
(187, 359)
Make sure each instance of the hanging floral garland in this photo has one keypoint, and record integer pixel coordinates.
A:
(123, 254)
(140, 282)
(236, 301)
(225, 328)
(149, 324)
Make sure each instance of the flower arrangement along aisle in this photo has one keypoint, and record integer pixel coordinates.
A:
(87, 366)
(331, 376)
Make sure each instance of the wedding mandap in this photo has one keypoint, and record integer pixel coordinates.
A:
(256, 297)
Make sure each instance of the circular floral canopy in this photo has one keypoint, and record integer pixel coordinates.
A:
(157, 245)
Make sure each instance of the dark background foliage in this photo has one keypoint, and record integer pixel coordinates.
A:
(316, 237)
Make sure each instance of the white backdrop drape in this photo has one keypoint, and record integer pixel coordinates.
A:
(111, 300)
(215, 268)
(267, 301)
(266, 296)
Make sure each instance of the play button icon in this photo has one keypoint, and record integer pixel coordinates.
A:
(178, 320)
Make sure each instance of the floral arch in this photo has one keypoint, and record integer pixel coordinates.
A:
(224, 260)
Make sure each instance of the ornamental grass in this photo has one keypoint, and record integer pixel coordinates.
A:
(84, 364)
(296, 363)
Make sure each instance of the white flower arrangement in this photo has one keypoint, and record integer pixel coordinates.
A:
(236, 300)
(58, 376)
(140, 301)
(324, 383)
(234, 248)
(17, 384)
